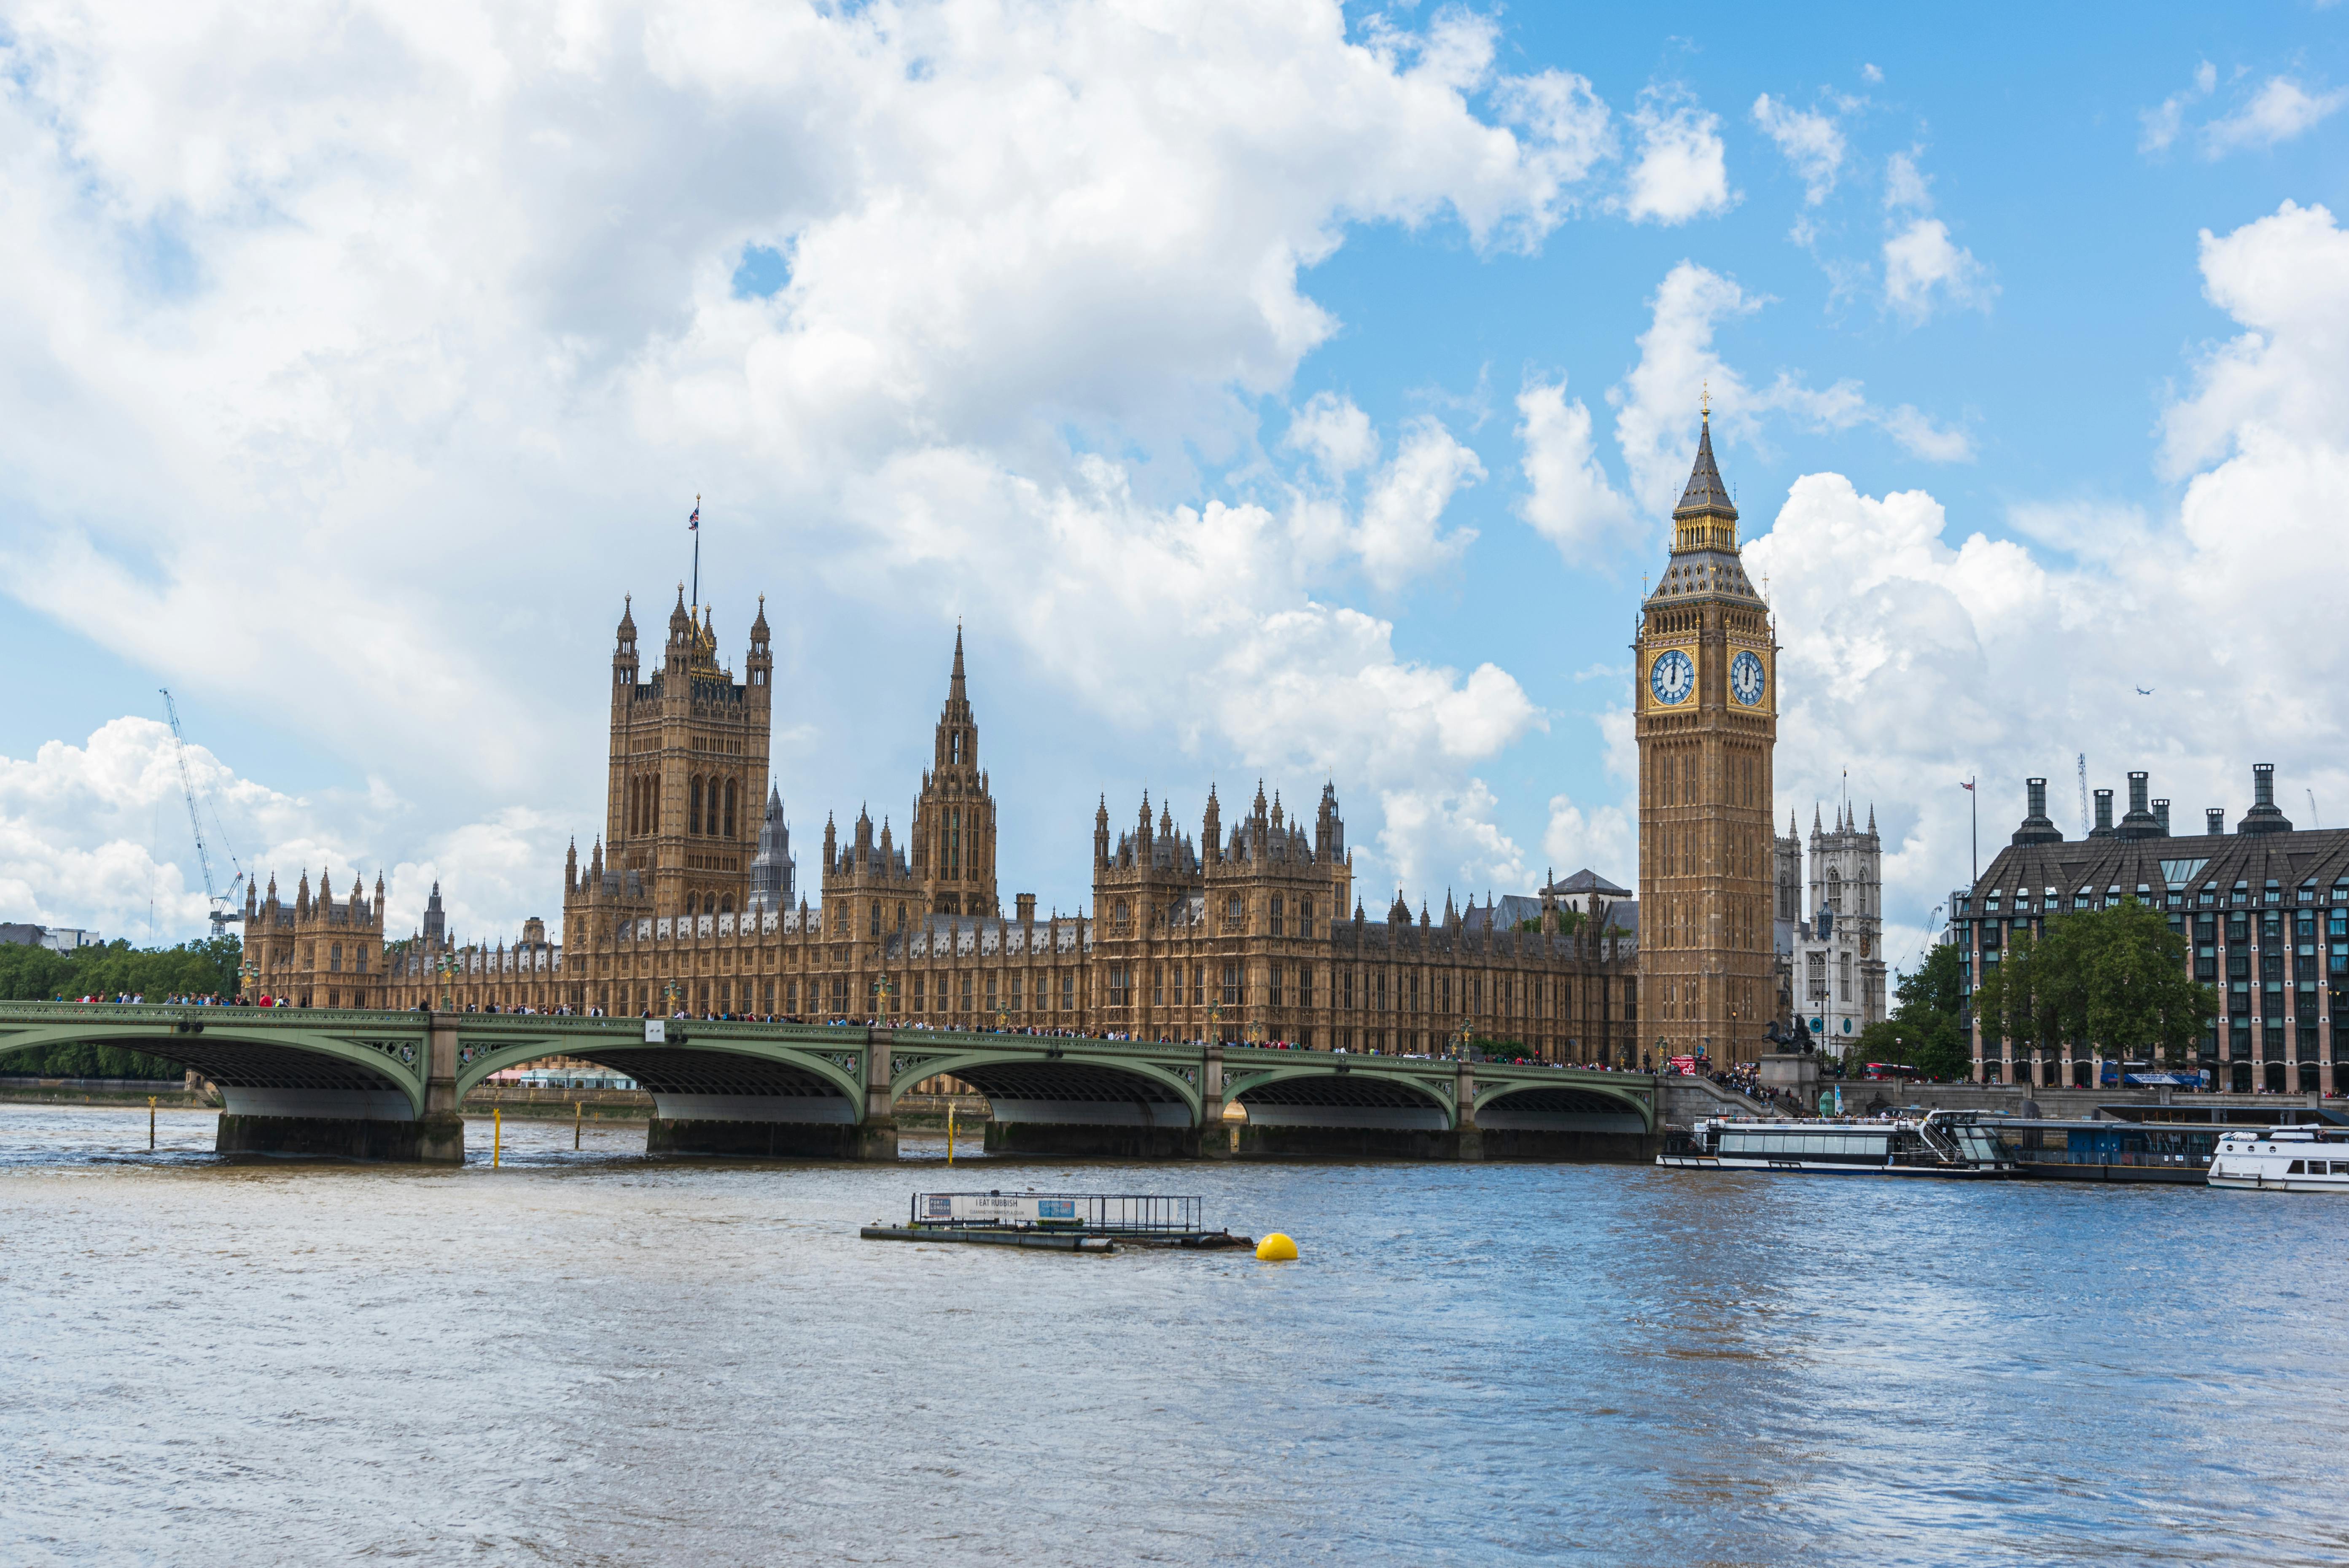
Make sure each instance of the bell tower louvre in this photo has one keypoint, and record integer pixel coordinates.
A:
(1705, 698)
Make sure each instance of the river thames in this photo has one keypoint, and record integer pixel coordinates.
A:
(595, 1358)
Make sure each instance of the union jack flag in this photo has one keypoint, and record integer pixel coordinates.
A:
(694, 523)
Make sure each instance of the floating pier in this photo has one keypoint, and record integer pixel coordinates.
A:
(1056, 1221)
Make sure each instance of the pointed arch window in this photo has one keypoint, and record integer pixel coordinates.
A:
(729, 807)
(693, 806)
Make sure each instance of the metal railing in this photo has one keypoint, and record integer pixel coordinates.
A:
(1099, 1213)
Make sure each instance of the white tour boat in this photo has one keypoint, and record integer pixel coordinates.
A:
(1939, 1143)
(2283, 1160)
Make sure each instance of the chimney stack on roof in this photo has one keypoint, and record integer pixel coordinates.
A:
(2141, 822)
(2103, 828)
(2161, 815)
(2214, 820)
(2263, 817)
(2037, 828)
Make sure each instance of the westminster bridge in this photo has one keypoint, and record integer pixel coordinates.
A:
(389, 1085)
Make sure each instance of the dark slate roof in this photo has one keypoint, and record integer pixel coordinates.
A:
(1706, 492)
(1586, 880)
(2194, 861)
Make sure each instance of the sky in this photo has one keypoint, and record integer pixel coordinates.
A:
(1273, 391)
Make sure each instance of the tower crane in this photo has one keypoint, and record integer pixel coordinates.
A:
(222, 910)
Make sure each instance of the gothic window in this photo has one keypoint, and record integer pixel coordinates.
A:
(1276, 916)
(726, 904)
(1845, 961)
(966, 990)
(1178, 984)
(1117, 985)
(991, 993)
(921, 1001)
(953, 747)
(1835, 889)
(1413, 985)
(876, 920)
(1444, 994)
(693, 806)
(1232, 911)
(1304, 986)
(1068, 992)
(1346, 986)
(1231, 984)
(1275, 997)
(901, 917)
(729, 807)
(334, 958)
(1015, 994)
(1121, 916)
(1304, 917)
(954, 846)
(1198, 983)
(709, 904)
(1378, 992)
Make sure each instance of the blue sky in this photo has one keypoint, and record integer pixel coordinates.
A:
(1202, 361)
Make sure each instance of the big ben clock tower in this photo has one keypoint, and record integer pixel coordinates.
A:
(1707, 703)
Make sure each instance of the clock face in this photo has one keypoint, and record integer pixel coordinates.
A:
(1746, 679)
(1671, 677)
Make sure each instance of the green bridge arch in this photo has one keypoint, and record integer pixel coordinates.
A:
(697, 1057)
(1039, 1069)
(245, 1048)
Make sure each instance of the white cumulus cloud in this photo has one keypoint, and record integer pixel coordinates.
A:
(1569, 499)
(2023, 660)
(1681, 171)
(1810, 142)
(2280, 110)
(357, 360)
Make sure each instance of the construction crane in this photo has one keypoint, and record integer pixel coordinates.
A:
(222, 909)
(2084, 795)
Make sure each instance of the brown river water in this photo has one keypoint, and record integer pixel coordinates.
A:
(593, 1358)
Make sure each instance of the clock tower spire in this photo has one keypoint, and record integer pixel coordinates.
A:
(1706, 703)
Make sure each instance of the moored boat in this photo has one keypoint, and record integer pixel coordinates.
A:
(1939, 1143)
(2283, 1160)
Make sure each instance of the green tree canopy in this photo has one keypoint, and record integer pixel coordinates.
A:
(116, 968)
(2112, 979)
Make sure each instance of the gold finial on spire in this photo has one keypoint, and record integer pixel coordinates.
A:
(1704, 401)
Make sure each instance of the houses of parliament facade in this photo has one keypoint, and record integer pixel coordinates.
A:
(688, 900)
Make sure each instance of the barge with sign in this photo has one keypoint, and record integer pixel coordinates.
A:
(1056, 1221)
(1939, 1143)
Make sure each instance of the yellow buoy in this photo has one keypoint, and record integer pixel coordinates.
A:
(1276, 1248)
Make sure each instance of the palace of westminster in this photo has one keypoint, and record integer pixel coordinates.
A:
(688, 900)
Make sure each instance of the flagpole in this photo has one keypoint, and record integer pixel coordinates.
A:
(1974, 801)
(697, 553)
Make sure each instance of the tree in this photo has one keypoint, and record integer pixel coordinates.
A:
(28, 974)
(1923, 1032)
(2110, 979)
